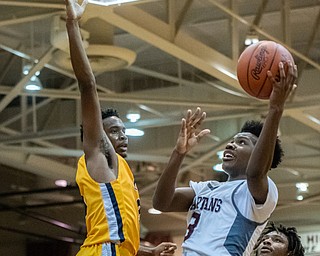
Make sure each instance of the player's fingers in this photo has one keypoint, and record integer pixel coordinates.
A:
(270, 77)
(202, 134)
(195, 115)
(200, 119)
(281, 69)
(84, 3)
(188, 116)
(183, 127)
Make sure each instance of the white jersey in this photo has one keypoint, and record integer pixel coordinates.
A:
(224, 219)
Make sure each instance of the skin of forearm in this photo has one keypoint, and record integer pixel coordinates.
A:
(263, 152)
(79, 60)
(145, 251)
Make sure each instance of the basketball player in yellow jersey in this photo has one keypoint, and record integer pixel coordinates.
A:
(104, 178)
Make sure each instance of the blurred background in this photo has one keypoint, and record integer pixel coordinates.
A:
(153, 60)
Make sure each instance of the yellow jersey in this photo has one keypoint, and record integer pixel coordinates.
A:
(112, 213)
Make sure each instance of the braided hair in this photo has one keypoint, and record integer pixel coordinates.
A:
(294, 243)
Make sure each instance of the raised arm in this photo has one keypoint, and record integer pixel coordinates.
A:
(262, 155)
(100, 155)
(167, 197)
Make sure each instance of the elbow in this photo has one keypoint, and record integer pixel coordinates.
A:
(87, 83)
(159, 205)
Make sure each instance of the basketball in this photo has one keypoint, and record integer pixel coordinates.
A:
(255, 61)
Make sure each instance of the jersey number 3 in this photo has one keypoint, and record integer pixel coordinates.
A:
(193, 223)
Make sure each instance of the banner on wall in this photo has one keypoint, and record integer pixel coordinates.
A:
(311, 243)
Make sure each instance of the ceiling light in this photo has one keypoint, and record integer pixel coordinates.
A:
(133, 115)
(313, 119)
(154, 211)
(61, 183)
(251, 38)
(134, 132)
(302, 186)
(111, 2)
(26, 68)
(34, 84)
(299, 197)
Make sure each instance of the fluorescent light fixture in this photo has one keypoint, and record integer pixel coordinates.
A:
(111, 2)
(225, 71)
(34, 84)
(251, 38)
(302, 186)
(61, 183)
(133, 116)
(218, 168)
(299, 197)
(313, 119)
(154, 211)
(250, 41)
(134, 132)
(26, 68)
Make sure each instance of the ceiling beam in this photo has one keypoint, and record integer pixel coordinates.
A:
(304, 118)
(128, 98)
(33, 4)
(27, 19)
(18, 88)
(157, 33)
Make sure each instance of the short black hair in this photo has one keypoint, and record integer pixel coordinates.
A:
(105, 113)
(108, 112)
(255, 127)
(294, 243)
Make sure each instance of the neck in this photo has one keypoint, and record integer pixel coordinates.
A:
(238, 177)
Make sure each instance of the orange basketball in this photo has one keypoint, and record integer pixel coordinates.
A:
(255, 61)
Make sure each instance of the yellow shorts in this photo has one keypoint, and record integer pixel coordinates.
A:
(106, 249)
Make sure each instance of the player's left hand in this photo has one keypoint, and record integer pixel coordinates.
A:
(190, 135)
(165, 249)
(74, 9)
(285, 86)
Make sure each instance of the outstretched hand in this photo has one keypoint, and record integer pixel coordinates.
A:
(285, 86)
(190, 135)
(74, 9)
(165, 249)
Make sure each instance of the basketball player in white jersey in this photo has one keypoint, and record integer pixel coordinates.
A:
(226, 218)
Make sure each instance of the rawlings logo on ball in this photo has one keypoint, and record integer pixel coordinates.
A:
(262, 59)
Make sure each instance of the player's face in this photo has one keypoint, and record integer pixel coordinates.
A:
(115, 131)
(273, 244)
(237, 153)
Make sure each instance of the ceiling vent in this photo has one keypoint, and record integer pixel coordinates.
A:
(102, 57)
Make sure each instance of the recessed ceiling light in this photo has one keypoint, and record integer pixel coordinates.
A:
(302, 186)
(134, 132)
(154, 211)
(61, 183)
(111, 2)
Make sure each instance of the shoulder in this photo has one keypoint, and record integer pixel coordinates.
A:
(203, 185)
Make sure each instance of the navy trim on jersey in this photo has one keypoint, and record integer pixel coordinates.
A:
(116, 211)
(212, 187)
(113, 250)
